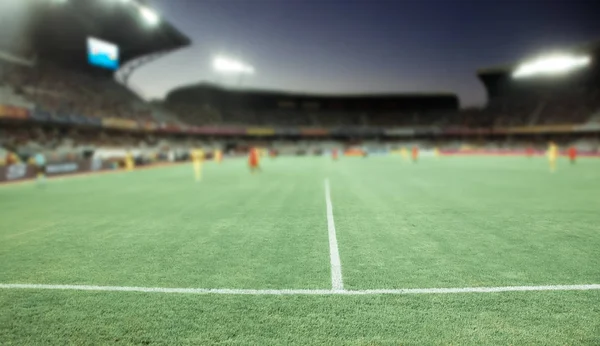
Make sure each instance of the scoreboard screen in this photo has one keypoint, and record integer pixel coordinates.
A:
(103, 54)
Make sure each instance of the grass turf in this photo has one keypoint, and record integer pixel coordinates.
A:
(450, 222)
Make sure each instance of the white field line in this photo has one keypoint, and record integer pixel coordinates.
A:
(305, 291)
(337, 283)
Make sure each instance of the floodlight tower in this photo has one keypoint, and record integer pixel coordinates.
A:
(230, 66)
(553, 65)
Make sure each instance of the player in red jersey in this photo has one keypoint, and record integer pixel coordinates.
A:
(415, 154)
(253, 160)
(572, 154)
(334, 154)
(529, 152)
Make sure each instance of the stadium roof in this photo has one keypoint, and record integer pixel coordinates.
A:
(61, 29)
(208, 93)
(282, 93)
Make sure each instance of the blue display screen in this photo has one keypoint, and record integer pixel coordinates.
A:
(103, 54)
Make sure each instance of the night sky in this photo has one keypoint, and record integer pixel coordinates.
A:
(332, 46)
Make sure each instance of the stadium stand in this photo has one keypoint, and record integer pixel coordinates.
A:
(59, 90)
(52, 72)
(270, 108)
(544, 100)
(204, 105)
(47, 88)
(53, 102)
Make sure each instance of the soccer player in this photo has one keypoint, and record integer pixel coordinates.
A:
(253, 160)
(404, 153)
(529, 152)
(415, 154)
(572, 154)
(552, 155)
(197, 156)
(40, 163)
(334, 154)
(129, 161)
(218, 156)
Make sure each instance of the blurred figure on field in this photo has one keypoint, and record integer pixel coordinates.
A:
(197, 156)
(529, 152)
(404, 153)
(552, 155)
(334, 154)
(40, 165)
(572, 154)
(253, 160)
(218, 156)
(415, 154)
(129, 161)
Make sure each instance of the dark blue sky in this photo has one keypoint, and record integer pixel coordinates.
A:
(352, 46)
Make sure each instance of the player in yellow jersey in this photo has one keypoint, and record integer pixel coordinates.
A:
(404, 153)
(129, 161)
(197, 156)
(552, 155)
(218, 156)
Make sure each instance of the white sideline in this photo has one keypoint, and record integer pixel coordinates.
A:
(337, 284)
(276, 292)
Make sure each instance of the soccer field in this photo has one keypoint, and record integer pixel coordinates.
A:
(370, 251)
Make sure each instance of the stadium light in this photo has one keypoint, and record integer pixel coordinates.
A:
(551, 65)
(149, 15)
(228, 65)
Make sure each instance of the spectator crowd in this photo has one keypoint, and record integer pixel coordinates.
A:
(60, 90)
(63, 91)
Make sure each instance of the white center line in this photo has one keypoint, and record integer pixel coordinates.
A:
(278, 292)
(337, 284)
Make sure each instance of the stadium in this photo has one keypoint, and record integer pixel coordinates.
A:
(383, 218)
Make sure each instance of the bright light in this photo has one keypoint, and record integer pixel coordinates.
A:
(552, 65)
(149, 15)
(229, 65)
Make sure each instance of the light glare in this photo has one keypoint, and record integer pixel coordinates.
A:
(552, 65)
(149, 15)
(224, 64)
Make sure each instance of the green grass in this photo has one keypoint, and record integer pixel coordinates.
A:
(448, 222)
(468, 222)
